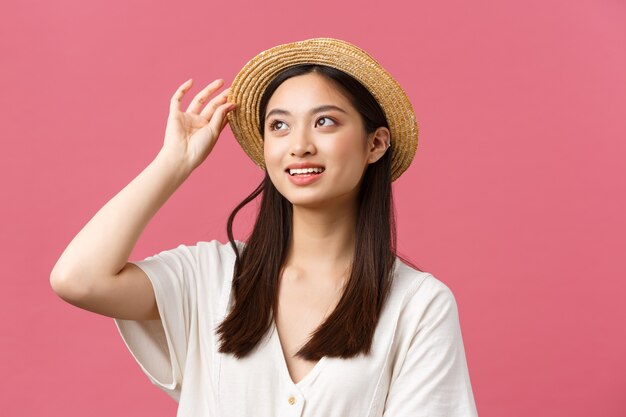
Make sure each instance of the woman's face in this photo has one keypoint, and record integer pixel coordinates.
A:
(309, 121)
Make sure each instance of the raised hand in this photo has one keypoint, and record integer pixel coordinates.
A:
(192, 134)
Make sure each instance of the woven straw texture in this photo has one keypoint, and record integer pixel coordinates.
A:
(254, 77)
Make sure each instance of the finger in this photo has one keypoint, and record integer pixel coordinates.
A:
(224, 122)
(201, 97)
(178, 95)
(216, 123)
(217, 101)
(233, 106)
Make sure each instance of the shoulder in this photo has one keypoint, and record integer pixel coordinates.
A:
(216, 250)
(201, 259)
(425, 295)
(420, 281)
(212, 250)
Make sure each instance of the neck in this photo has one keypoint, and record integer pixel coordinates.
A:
(323, 241)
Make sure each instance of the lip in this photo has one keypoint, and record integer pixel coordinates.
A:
(302, 165)
(304, 179)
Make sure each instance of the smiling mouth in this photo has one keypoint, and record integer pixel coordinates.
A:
(307, 172)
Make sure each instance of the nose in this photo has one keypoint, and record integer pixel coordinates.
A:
(301, 142)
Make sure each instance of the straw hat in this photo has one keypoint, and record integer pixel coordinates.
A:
(255, 76)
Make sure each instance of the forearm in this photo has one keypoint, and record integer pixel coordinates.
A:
(103, 246)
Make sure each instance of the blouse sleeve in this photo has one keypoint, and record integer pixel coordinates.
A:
(160, 346)
(433, 380)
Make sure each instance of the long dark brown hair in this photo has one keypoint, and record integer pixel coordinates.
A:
(349, 329)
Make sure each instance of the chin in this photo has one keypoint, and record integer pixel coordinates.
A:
(317, 199)
(313, 197)
(311, 201)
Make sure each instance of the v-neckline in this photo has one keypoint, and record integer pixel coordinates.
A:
(283, 361)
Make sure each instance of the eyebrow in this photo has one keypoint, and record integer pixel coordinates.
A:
(319, 109)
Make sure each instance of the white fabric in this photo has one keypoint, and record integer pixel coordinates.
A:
(417, 366)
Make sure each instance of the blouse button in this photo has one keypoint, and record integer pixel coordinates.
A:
(292, 400)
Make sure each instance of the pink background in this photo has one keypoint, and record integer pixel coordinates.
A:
(515, 199)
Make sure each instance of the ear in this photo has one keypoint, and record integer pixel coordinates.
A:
(378, 143)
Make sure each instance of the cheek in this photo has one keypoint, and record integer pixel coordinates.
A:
(269, 152)
(343, 148)
(273, 158)
(350, 152)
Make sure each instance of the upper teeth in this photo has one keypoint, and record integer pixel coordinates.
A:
(304, 170)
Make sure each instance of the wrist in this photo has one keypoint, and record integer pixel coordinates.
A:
(173, 163)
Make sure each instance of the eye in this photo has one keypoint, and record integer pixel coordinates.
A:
(321, 121)
(276, 125)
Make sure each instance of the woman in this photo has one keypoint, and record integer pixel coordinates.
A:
(315, 315)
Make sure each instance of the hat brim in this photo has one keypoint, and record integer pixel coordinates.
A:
(250, 83)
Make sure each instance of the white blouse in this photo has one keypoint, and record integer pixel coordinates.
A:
(417, 365)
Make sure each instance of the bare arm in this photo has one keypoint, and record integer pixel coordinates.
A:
(93, 272)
